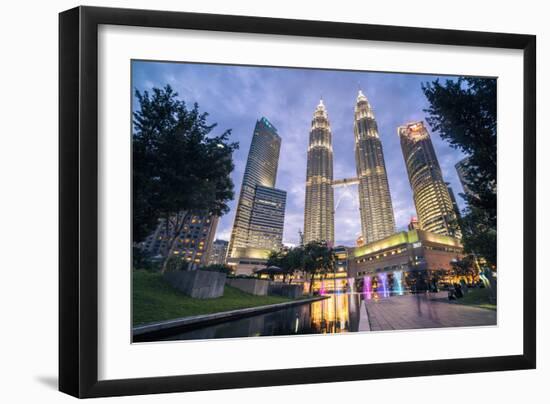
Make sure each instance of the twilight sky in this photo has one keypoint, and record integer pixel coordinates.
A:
(236, 96)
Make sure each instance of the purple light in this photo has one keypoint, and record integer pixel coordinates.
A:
(367, 287)
(322, 290)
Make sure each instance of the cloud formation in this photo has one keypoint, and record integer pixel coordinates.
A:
(236, 96)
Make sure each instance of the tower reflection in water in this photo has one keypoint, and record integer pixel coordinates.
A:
(337, 313)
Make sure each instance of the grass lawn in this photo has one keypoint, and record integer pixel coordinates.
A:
(478, 298)
(155, 300)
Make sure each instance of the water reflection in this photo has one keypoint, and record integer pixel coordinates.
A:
(339, 313)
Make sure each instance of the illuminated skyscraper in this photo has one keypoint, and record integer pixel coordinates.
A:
(319, 207)
(377, 220)
(433, 202)
(267, 219)
(259, 219)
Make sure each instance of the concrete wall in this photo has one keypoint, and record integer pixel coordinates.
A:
(286, 290)
(198, 284)
(257, 287)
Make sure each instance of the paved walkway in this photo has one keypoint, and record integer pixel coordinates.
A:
(424, 311)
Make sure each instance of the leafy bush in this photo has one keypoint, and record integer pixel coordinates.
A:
(217, 268)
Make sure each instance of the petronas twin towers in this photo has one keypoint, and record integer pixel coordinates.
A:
(375, 205)
(319, 208)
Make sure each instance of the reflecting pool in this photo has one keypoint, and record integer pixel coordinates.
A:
(337, 314)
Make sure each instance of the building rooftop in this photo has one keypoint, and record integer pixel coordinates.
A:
(266, 122)
(406, 237)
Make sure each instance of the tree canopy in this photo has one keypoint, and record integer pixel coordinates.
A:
(178, 164)
(464, 113)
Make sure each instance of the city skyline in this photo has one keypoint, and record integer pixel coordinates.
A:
(237, 96)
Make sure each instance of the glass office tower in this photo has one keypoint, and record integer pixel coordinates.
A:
(259, 217)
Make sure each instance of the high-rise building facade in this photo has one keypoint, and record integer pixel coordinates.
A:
(218, 252)
(453, 200)
(259, 217)
(375, 204)
(434, 205)
(192, 244)
(462, 169)
(267, 218)
(319, 204)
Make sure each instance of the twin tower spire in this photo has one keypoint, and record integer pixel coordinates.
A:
(375, 205)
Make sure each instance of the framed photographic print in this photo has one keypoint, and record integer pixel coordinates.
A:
(251, 201)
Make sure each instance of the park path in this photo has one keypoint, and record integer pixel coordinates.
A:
(424, 311)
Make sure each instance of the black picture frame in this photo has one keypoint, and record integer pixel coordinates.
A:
(78, 201)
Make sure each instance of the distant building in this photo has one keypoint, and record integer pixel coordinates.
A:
(267, 218)
(218, 252)
(259, 218)
(453, 200)
(413, 224)
(319, 203)
(462, 169)
(432, 200)
(341, 261)
(192, 244)
(375, 204)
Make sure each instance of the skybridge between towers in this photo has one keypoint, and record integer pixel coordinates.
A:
(345, 182)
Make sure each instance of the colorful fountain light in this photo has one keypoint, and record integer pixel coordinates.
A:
(398, 282)
(367, 287)
(322, 291)
(383, 278)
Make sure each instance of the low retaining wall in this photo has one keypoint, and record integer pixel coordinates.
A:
(198, 284)
(256, 287)
(285, 290)
(161, 329)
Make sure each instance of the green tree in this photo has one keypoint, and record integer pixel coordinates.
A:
(318, 259)
(478, 236)
(179, 167)
(289, 261)
(294, 261)
(464, 113)
(464, 266)
(275, 258)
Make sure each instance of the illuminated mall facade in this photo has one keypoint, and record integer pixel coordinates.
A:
(402, 257)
